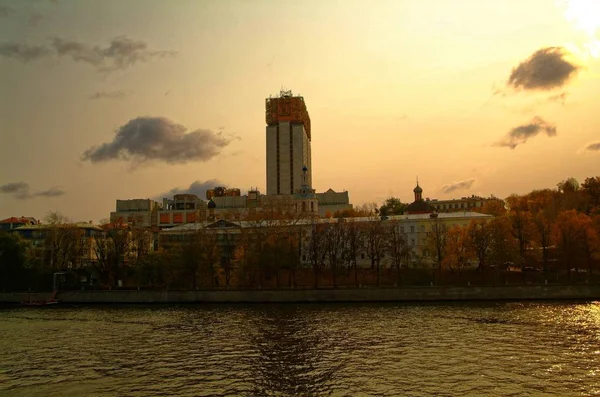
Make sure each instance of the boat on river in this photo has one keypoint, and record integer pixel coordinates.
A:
(41, 302)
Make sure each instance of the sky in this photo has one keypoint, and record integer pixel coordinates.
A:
(108, 99)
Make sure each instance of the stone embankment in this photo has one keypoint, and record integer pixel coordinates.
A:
(408, 294)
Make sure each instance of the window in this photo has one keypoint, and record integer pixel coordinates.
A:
(401, 229)
(412, 242)
(362, 256)
(304, 258)
(412, 229)
(422, 228)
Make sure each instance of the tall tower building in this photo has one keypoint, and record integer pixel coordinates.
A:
(288, 144)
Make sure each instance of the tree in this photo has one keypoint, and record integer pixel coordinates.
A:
(458, 249)
(591, 190)
(316, 249)
(436, 241)
(12, 261)
(353, 241)
(397, 246)
(480, 239)
(542, 206)
(334, 241)
(392, 206)
(503, 248)
(492, 207)
(374, 243)
(568, 233)
(522, 226)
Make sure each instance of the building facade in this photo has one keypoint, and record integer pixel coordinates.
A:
(288, 136)
(462, 204)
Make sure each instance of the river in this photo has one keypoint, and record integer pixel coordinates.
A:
(491, 349)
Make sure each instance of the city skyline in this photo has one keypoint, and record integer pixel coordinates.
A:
(450, 92)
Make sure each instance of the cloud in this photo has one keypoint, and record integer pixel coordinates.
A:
(119, 54)
(24, 52)
(5, 11)
(35, 18)
(461, 185)
(158, 139)
(52, 192)
(108, 95)
(592, 147)
(21, 190)
(198, 188)
(521, 134)
(546, 69)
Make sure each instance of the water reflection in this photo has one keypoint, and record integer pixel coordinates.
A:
(292, 346)
(492, 349)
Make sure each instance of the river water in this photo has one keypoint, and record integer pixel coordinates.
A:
(491, 349)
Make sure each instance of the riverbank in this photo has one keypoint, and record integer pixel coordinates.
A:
(410, 294)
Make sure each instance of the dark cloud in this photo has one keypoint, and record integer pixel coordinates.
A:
(21, 190)
(108, 95)
(52, 192)
(521, 134)
(546, 69)
(559, 98)
(120, 53)
(198, 188)
(5, 11)
(158, 139)
(593, 147)
(461, 185)
(24, 52)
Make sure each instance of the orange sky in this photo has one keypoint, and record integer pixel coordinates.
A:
(395, 89)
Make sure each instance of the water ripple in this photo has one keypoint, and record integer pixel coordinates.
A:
(502, 349)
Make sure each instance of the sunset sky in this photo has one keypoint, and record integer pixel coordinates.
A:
(475, 97)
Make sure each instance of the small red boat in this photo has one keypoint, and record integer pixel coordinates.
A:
(41, 302)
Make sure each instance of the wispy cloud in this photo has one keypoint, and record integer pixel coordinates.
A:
(35, 18)
(5, 11)
(592, 147)
(108, 95)
(120, 53)
(24, 52)
(198, 188)
(461, 185)
(521, 134)
(21, 190)
(158, 139)
(546, 69)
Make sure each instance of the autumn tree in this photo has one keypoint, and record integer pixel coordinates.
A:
(503, 246)
(480, 240)
(542, 205)
(590, 188)
(13, 261)
(522, 225)
(458, 250)
(568, 234)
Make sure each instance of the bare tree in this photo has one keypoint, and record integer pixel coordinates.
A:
(397, 246)
(353, 241)
(436, 241)
(333, 244)
(316, 249)
(374, 243)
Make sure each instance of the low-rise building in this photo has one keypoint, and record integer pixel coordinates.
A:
(14, 222)
(462, 204)
(331, 202)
